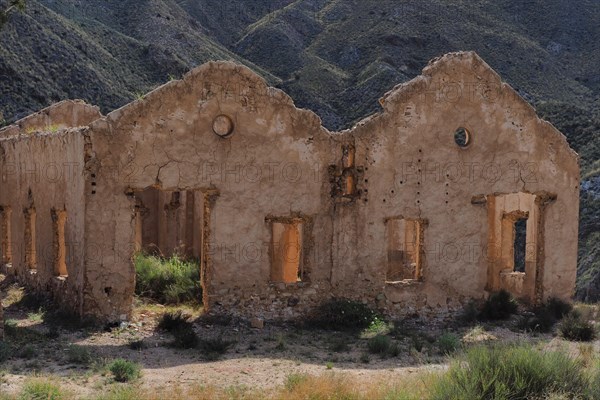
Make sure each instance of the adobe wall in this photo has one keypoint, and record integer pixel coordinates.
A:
(64, 114)
(414, 168)
(43, 171)
(280, 164)
(249, 169)
(274, 165)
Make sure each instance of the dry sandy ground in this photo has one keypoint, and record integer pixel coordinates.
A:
(257, 358)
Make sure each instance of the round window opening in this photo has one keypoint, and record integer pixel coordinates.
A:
(223, 126)
(462, 137)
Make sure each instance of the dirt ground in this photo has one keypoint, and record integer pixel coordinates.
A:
(40, 344)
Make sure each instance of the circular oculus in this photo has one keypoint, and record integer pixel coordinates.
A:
(223, 126)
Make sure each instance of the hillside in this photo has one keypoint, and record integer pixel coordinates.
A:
(336, 57)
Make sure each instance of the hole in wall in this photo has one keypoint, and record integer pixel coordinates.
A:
(462, 137)
(222, 126)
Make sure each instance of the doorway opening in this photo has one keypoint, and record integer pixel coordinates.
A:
(168, 243)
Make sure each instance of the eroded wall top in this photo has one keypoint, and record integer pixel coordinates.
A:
(65, 114)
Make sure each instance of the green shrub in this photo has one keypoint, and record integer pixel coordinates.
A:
(138, 345)
(27, 352)
(417, 342)
(594, 392)
(6, 351)
(500, 305)
(41, 389)
(545, 316)
(281, 345)
(213, 348)
(557, 307)
(122, 392)
(185, 337)
(168, 281)
(178, 323)
(172, 321)
(511, 372)
(377, 327)
(448, 343)
(339, 345)
(574, 327)
(11, 327)
(124, 371)
(79, 355)
(343, 315)
(52, 333)
(379, 344)
(541, 320)
(294, 380)
(394, 350)
(470, 312)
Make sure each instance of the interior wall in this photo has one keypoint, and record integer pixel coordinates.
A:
(170, 222)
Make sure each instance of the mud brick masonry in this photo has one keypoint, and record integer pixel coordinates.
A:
(455, 189)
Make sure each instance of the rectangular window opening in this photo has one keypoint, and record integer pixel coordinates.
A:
(405, 250)
(29, 238)
(520, 244)
(5, 235)
(59, 220)
(287, 252)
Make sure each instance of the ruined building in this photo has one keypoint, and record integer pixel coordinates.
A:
(455, 189)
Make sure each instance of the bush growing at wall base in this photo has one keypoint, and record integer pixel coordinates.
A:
(343, 315)
(545, 316)
(500, 305)
(167, 280)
